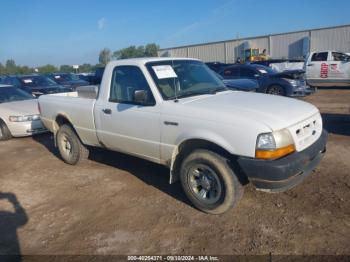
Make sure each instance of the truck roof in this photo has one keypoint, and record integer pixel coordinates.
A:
(144, 60)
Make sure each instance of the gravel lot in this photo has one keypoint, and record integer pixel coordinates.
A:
(116, 204)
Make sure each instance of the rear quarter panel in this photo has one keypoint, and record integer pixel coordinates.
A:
(78, 111)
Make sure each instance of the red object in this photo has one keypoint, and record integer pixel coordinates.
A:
(324, 70)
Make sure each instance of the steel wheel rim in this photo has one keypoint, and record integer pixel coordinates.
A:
(66, 146)
(204, 183)
(275, 91)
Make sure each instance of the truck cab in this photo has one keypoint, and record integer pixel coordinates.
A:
(328, 68)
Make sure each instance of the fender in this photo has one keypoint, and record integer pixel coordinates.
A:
(200, 139)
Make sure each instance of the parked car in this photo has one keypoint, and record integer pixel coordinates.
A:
(98, 75)
(328, 68)
(19, 113)
(287, 83)
(176, 112)
(68, 80)
(35, 84)
(88, 77)
(217, 66)
(248, 85)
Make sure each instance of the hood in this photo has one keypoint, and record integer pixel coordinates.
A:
(20, 108)
(291, 74)
(230, 107)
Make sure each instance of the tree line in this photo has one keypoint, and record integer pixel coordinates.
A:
(150, 50)
(11, 68)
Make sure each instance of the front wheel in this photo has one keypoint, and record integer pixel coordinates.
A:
(209, 182)
(275, 90)
(70, 147)
(5, 133)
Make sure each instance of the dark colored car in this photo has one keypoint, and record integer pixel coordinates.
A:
(217, 66)
(98, 75)
(248, 85)
(288, 83)
(35, 84)
(68, 80)
(90, 77)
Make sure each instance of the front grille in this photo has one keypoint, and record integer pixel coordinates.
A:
(306, 132)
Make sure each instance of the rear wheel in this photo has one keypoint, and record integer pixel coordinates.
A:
(5, 133)
(70, 147)
(275, 90)
(209, 182)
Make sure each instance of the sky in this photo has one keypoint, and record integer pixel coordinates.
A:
(36, 32)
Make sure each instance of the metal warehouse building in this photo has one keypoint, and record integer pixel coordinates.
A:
(290, 45)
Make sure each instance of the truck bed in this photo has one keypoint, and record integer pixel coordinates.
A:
(76, 107)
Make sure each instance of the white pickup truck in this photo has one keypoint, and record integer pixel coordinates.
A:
(328, 69)
(176, 112)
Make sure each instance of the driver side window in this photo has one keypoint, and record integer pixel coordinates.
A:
(125, 81)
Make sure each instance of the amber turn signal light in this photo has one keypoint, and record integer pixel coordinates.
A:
(274, 153)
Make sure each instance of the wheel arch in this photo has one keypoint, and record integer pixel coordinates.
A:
(60, 120)
(189, 145)
(2, 121)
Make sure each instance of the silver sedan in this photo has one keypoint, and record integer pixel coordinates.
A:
(19, 113)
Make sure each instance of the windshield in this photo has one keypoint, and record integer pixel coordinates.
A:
(35, 81)
(11, 94)
(183, 78)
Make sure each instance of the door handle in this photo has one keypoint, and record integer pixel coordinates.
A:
(107, 111)
(310, 64)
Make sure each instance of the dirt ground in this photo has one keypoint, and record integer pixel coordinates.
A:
(116, 204)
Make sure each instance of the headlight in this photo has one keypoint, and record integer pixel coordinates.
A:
(292, 81)
(274, 145)
(24, 118)
(266, 141)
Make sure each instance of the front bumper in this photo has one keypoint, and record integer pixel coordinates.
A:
(20, 129)
(282, 174)
(301, 91)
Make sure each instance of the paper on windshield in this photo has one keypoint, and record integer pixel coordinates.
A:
(27, 81)
(57, 77)
(164, 71)
(263, 71)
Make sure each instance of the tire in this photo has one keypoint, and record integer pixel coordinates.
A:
(71, 149)
(5, 133)
(275, 90)
(208, 171)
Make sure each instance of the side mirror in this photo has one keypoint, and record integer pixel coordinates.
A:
(140, 96)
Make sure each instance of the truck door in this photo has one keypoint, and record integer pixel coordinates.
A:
(124, 123)
(317, 69)
(339, 69)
